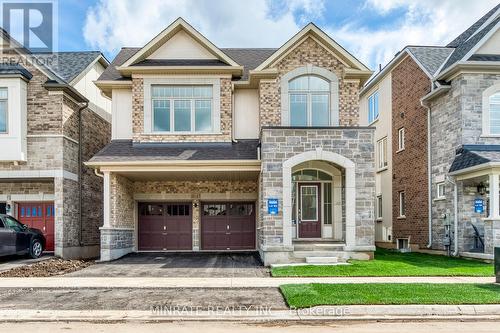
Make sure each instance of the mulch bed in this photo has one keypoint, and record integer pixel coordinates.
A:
(46, 268)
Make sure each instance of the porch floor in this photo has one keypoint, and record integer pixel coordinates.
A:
(201, 264)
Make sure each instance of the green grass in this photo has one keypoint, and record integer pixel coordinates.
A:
(307, 295)
(391, 263)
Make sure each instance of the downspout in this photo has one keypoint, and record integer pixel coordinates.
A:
(80, 166)
(98, 174)
(429, 170)
(455, 215)
(233, 116)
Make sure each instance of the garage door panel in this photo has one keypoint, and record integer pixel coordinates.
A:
(228, 226)
(165, 226)
(39, 215)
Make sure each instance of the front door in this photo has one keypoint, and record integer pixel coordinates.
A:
(309, 210)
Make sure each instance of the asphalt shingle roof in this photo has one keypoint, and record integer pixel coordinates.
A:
(15, 69)
(249, 58)
(430, 57)
(471, 155)
(68, 65)
(126, 150)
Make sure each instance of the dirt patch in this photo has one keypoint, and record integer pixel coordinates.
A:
(51, 267)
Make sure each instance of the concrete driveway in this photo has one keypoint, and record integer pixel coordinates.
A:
(179, 265)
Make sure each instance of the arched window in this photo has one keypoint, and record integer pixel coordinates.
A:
(309, 101)
(494, 114)
(310, 97)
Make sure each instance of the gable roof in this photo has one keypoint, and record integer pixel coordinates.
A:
(170, 31)
(68, 65)
(473, 155)
(312, 29)
(430, 57)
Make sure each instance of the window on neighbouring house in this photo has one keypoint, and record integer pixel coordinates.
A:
(373, 107)
(3, 110)
(179, 108)
(440, 193)
(494, 104)
(309, 101)
(401, 139)
(403, 243)
(379, 207)
(382, 153)
(402, 204)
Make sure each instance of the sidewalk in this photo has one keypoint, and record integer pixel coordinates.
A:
(237, 282)
(324, 313)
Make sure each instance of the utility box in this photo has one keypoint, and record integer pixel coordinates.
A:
(497, 263)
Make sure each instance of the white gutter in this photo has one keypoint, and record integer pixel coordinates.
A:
(455, 215)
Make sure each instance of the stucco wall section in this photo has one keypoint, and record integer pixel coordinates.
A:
(309, 52)
(138, 117)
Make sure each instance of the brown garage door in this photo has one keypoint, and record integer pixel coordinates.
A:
(228, 226)
(165, 226)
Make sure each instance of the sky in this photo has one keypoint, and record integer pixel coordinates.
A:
(372, 30)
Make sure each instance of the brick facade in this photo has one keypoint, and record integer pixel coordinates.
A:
(409, 85)
(309, 52)
(52, 168)
(138, 117)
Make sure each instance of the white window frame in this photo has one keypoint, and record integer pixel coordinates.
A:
(380, 207)
(402, 204)
(487, 93)
(309, 110)
(314, 71)
(382, 161)
(373, 107)
(6, 100)
(440, 186)
(170, 81)
(401, 139)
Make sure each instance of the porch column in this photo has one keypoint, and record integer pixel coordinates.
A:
(106, 200)
(350, 208)
(494, 198)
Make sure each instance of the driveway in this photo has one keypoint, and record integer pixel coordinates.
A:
(179, 265)
(15, 261)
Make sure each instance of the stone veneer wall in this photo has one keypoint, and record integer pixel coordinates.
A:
(409, 166)
(309, 52)
(195, 187)
(280, 144)
(456, 119)
(138, 117)
(26, 188)
(122, 202)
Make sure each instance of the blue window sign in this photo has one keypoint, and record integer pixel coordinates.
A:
(272, 206)
(479, 206)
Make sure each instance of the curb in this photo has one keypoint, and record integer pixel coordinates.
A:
(321, 313)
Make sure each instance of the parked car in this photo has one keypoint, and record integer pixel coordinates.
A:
(17, 238)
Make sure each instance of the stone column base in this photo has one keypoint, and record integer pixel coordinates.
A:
(116, 242)
(491, 235)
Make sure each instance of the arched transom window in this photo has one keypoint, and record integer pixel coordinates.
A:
(309, 98)
(494, 106)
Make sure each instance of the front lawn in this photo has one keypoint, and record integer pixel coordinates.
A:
(307, 295)
(391, 263)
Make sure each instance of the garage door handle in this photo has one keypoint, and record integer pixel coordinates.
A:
(164, 233)
(228, 233)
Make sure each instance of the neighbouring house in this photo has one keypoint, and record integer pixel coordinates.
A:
(438, 106)
(242, 149)
(52, 119)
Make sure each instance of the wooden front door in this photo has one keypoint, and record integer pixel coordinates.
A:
(309, 210)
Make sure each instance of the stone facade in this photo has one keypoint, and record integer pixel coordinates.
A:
(309, 52)
(281, 144)
(52, 171)
(456, 119)
(225, 117)
(409, 84)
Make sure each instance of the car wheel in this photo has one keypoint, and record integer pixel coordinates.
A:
(36, 248)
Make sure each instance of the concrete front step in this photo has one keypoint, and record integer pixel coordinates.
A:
(309, 254)
(322, 260)
(317, 246)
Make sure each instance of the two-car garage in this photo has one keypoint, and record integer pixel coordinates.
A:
(224, 226)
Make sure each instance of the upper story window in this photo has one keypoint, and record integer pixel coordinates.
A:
(182, 108)
(3, 110)
(309, 101)
(401, 139)
(494, 104)
(373, 107)
(382, 153)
